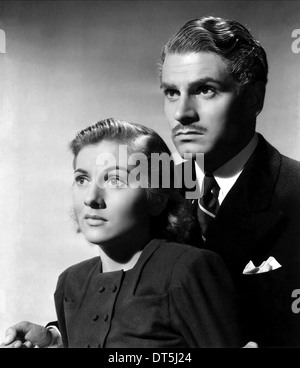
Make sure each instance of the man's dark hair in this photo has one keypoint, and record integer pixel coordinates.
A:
(246, 58)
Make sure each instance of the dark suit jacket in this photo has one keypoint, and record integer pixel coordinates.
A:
(176, 296)
(260, 217)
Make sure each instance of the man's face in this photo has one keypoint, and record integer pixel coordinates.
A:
(202, 106)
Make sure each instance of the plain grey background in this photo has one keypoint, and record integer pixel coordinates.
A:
(69, 64)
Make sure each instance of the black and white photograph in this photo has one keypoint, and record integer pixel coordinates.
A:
(150, 161)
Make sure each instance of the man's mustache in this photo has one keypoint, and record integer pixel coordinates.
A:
(191, 127)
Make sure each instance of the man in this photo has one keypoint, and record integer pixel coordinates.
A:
(213, 75)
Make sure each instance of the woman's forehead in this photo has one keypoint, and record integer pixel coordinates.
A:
(91, 154)
(109, 154)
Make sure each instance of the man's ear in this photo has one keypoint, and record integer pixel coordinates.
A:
(157, 204)
(255, 96)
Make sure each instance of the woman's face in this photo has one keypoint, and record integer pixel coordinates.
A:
(109, 212)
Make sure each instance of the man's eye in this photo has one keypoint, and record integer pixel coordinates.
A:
(206, 91)
(81, 180)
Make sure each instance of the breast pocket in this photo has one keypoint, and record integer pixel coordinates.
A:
(148, 313)
(263, 291)
(264, 276)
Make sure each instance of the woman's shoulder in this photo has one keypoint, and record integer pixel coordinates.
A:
(72, 279)
(185, 253)
(81, 268)
(191, 264)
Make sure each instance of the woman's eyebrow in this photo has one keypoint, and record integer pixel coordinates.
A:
(109, 168)
(81, 171)
(119, 168)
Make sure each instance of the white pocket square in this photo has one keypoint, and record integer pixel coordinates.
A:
(269, 265)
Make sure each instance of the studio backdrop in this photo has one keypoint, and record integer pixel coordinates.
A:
(65, 65)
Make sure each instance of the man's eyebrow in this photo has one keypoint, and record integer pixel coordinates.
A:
(197, 82)
(165, 85)
(204, 81)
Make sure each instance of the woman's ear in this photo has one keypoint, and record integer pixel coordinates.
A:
(157, 204)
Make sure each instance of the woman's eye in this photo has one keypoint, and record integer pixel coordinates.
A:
(81, 180)
(115, 182)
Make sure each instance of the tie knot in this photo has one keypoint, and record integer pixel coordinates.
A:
(208, 204)
(210, 185)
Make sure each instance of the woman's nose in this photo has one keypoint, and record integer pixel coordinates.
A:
(186, 111)
(94, 197)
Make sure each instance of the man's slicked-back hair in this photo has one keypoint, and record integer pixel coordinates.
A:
(246, 58)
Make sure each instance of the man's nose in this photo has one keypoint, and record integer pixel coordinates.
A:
(94, 197)
(186, 112)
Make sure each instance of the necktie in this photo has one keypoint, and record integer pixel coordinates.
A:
(208, 204)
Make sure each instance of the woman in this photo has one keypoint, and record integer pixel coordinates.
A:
(145, 289)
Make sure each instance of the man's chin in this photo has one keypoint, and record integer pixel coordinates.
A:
(188, 150)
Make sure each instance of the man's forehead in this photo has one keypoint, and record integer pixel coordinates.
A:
(194, 65)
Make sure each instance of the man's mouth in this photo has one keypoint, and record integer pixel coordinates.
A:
(188, 132)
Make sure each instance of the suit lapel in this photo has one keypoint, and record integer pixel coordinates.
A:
(246, 218)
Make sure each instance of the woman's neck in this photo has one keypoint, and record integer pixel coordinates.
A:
(110, 265)
(123, 253)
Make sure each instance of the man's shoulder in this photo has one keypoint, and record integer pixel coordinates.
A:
(266, 146)
(288, 183)
(269, 159)
(291, 164)
(284, 170)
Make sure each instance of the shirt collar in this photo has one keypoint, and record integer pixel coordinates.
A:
(227, 174)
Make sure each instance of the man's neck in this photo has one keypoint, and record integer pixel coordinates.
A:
(236, 164)
(227, 174)
(214, 162)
